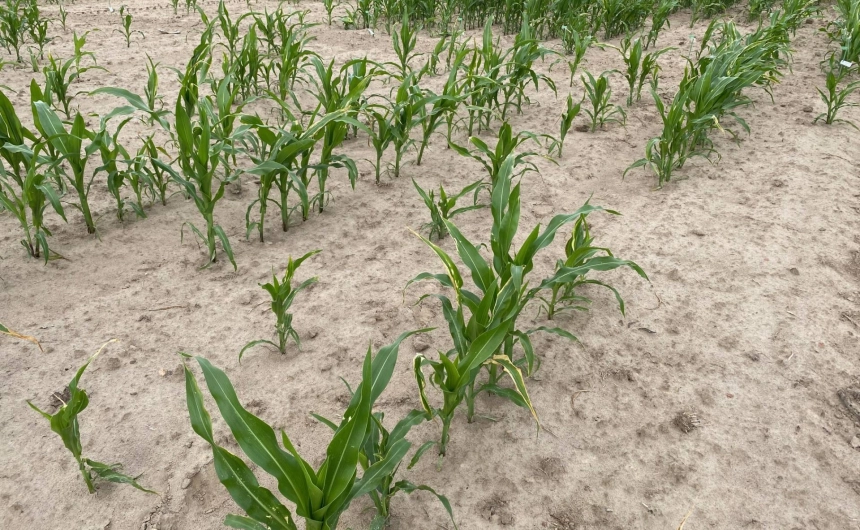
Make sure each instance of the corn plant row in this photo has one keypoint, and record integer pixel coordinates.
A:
(712, 90)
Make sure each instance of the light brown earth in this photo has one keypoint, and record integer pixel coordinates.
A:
(716, 395)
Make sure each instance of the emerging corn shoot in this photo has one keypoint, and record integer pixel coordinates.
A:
(283, 293)
(65, 423)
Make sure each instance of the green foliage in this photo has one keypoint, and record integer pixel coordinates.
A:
(337, 92)
(836, 98)
(445, 209)
(493, 159)
(65, 423)
(67, 145)
(660, 19)
(126, 31)
(13, 25)
(283, 293)
(711, 91)
(320, 495)
(28, 200)
(582, 255)
(845, 31)
(569, 114)
(483, 322)
(599, 94)
(199, 159)
(641, 66)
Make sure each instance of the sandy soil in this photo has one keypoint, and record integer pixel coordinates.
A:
(749, 324)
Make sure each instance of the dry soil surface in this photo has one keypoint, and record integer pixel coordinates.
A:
(716, 395)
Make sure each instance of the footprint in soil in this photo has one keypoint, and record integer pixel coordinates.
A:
(496, 510)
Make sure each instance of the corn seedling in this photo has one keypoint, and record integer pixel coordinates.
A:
(836, 99)
(445, 209)
(580, 44)
(199, 158)
(621, 17)
(13, 26)
(845, 30)
(404, 41)
(126, 31)
(668, 152)
(64, 15)
(29, 202)
(15, 335)
(337, 92)
(760, 8)
(581, 254)
(641, 66)
(38, 30)
(660, 19)
(493, 159)
(519, 69)
(443, 107)
(113, 155)
(281, 165)
(486, 340)
(599, 94)
(13, 135)
(320, 496)
(59, 76)
(330, 6)
(69, 146)
(570, 113)
(379, 444)
(65, 423)
(283, 293)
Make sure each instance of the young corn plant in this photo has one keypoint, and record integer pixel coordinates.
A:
(64, 15)
(599, 94)
(580, 43)
(283, 293)
(404, 41)
(380, 443)
(199, 160)
(493, 159)
(483, 323)
(69, 146)
(442, 107)
(641, 66)
(59, 76)
(65, 423)
(570, 113)
(37, 28)
(13, 26)
(320, 495)
(668, 152)
(580, 253)
(445, 208)
(660, 19)
(126, 31)
(836, 98)
(29, 203)
(13, 135)
(340, 92)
